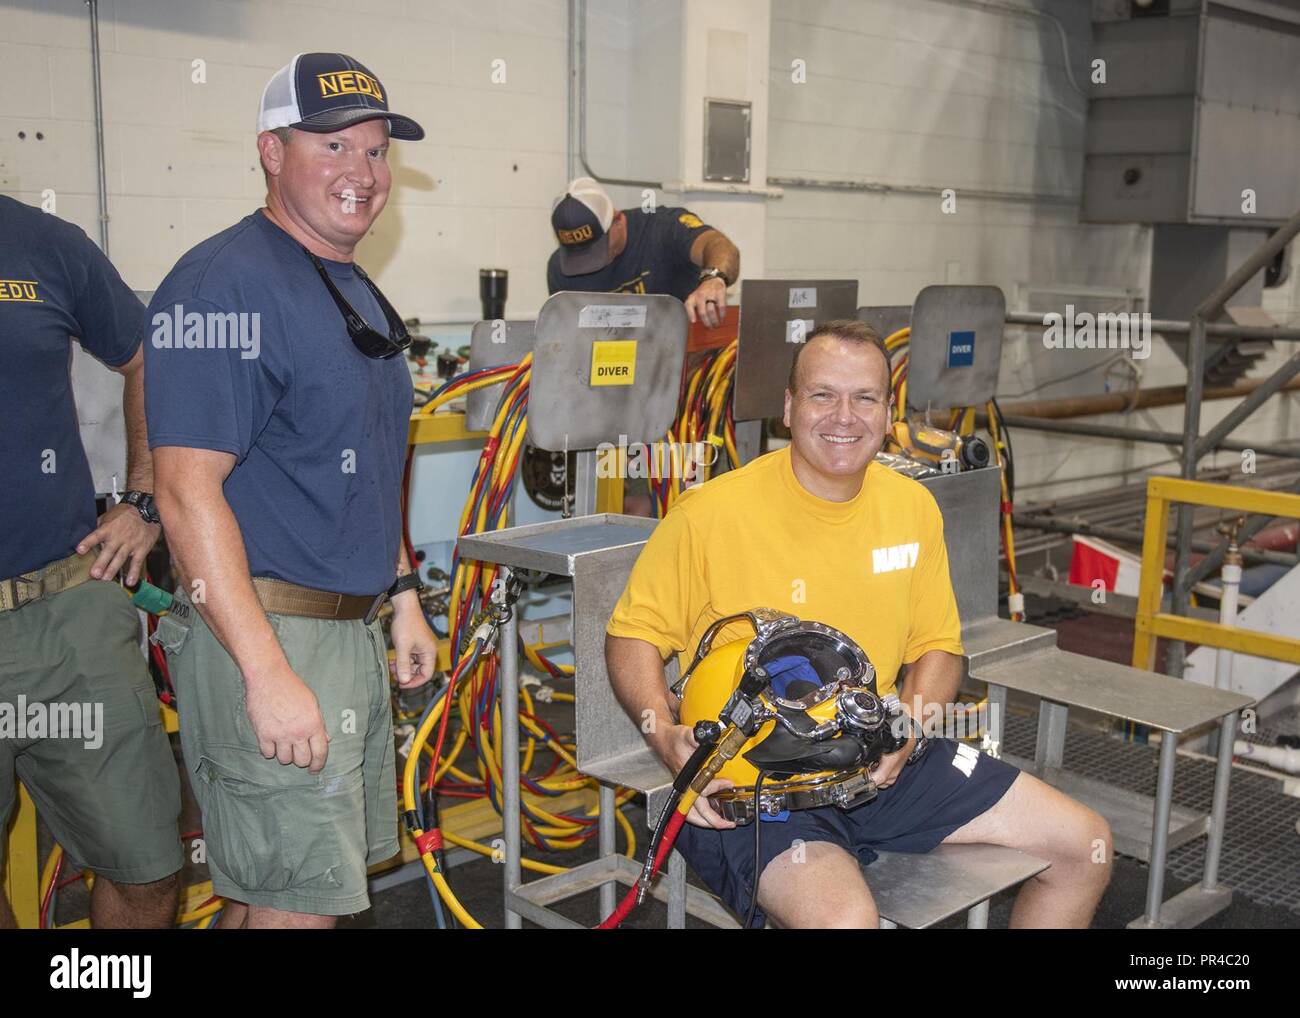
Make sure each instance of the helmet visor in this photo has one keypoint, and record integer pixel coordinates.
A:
(807, 667)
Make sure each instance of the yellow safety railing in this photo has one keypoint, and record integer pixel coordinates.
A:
(1151, 622)
(443, 427)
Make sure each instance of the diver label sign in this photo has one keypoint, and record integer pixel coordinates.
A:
(613, 362)
(961, 349)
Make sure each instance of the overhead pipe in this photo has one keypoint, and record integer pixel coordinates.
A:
(1121, 402)
(101, 172)
(579, 19)
(1057, 525)
(1230, 586)
(1255, 524)
(933, 191)
(1019, 10)
(1131, 434)
(571, 93)
(1280, 758)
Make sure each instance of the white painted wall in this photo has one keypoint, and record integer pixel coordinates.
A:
(949, 95)
(684, 51)
(181, 156)
(925, 92)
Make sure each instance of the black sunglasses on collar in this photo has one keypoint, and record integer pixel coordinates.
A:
(371, 343)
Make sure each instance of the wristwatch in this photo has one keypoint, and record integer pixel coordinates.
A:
(144, 505)
(921, 744)
(411, 581)
(714, 273)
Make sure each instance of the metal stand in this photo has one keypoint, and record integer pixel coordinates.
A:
(749, 440)
(607, 807)
(1160, 702)
(510, 823)
(1196, 904)
(597, 552)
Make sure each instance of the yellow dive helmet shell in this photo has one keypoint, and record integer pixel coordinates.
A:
(716, 672)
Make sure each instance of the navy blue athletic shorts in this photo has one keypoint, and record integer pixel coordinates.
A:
(948, 787)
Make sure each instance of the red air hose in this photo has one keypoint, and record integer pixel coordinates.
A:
(629, 900)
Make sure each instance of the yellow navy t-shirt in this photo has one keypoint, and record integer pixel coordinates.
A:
(874, 567)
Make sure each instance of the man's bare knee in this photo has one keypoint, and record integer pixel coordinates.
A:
(1081, 844)
(1090, 852)
(856, 914)
(817, 885)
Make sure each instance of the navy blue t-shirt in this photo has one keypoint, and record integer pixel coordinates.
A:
(657, 258)
(318, 429)
(55, 285)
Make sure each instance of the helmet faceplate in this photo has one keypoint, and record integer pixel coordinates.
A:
(805, 665)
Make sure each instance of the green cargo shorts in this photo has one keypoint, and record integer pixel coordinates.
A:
(79, 723)
(276, 835)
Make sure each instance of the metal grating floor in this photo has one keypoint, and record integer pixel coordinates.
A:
(1283, 722)
(1261, 845)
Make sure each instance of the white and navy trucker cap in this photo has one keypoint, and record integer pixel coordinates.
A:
(581, 218)
(324, 92)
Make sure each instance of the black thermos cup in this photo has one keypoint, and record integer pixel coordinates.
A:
(492, 292)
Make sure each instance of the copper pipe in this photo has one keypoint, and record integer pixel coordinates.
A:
(1119, 402)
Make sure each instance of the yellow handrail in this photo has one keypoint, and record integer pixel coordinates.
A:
(1150, 622)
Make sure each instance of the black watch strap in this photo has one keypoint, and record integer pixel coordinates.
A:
(410, 581)
(922, 743)
(143, 503)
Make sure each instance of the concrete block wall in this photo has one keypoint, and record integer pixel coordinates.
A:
(181, 154)
(946, 94)
(938, 93)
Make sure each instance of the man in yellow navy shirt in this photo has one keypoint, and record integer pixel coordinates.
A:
(820, 530)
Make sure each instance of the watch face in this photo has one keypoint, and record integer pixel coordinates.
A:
(144, 505)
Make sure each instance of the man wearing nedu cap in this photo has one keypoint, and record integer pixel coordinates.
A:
(277, 406)
(667, 250)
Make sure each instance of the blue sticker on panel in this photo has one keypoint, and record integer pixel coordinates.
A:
(961, 349)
